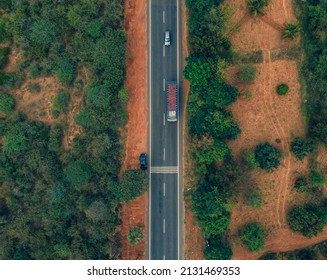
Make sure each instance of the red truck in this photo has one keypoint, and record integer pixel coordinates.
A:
(171, 96)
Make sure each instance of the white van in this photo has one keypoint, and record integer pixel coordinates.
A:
(167, 38)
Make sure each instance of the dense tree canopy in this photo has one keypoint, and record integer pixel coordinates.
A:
(267, 156)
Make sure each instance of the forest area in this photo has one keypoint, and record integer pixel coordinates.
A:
(63, 201)
(211, 124)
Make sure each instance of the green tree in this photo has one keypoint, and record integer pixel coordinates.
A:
(15, 140)
(66, 70)
(78, 173)
(301, 184)
(7, 103)
(267, 156)
(282, 89)
(4, 56)
(317, 179)
(135, 235)
(290, 31)
(253, 237)
(301, 148)
(308, 220)
(197, 71)
(42, 34)
(256, 7)
(217, 249)
(132, 184)
(99, 96)
(55, 138)
(210, 211)
(60, 103)
(97, 211)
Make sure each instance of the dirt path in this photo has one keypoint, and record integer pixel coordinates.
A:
(134, 213)
(269, 104)
(267, 116)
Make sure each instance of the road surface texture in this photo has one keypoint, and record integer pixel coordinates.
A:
(165, 238)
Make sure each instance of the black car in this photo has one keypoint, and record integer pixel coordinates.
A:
(143, 161)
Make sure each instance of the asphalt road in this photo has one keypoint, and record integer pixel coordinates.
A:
(165, 193)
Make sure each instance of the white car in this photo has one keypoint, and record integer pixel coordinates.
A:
(167, 38)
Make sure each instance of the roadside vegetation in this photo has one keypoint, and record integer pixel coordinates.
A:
(210, 123)
(70, 197)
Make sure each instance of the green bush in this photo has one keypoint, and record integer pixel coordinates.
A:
(132, 184)
(34, 88)
(308, 220)
(256, 6)
(78, 173)
(301, 148)
(60, 103)
(253, 198)
(282, 89)
(247, 73)
(123, 96)
(66, 70)
(267, 156)
(34, 72)
(7, 103)
(290, 31)
(217, 249)
(135, 235)
(317, 179)
(301, 184)
(11, 80)
(251, 160)
(55, 138)
(99, 96)
(253, 237)
(247, 94)
(4, 56)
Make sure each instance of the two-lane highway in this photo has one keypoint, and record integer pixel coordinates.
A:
(165, 194)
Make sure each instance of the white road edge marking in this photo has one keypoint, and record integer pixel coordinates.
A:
(149, 91)
(163, 17)
(178, 198)
(164, 225)
(164, 85)
(164, 153)
(164, 189)
(164, 119)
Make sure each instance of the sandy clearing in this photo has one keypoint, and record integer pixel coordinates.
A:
(134, 213)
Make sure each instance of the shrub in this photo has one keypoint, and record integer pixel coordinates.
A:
(55, 138)
(34, 88)
(301, 148)
(123, 95)
(34, 72)
(247, 73)
(301, 184)
(317, 179)
(247, 94)
(253, 198)
(290, 31)
(78, 173)
(253, 237)
(282, 89)
(7, 103)
(217, 249)
(66, 70)
(267, 156)
(132, 184)
(99, 96)
(135, 235)
(60, 103)
(251, 160)
(4, 57)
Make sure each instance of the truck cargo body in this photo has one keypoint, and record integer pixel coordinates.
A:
(171, 96)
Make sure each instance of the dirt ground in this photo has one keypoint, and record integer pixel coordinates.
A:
(134, 213)
(268, 117)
